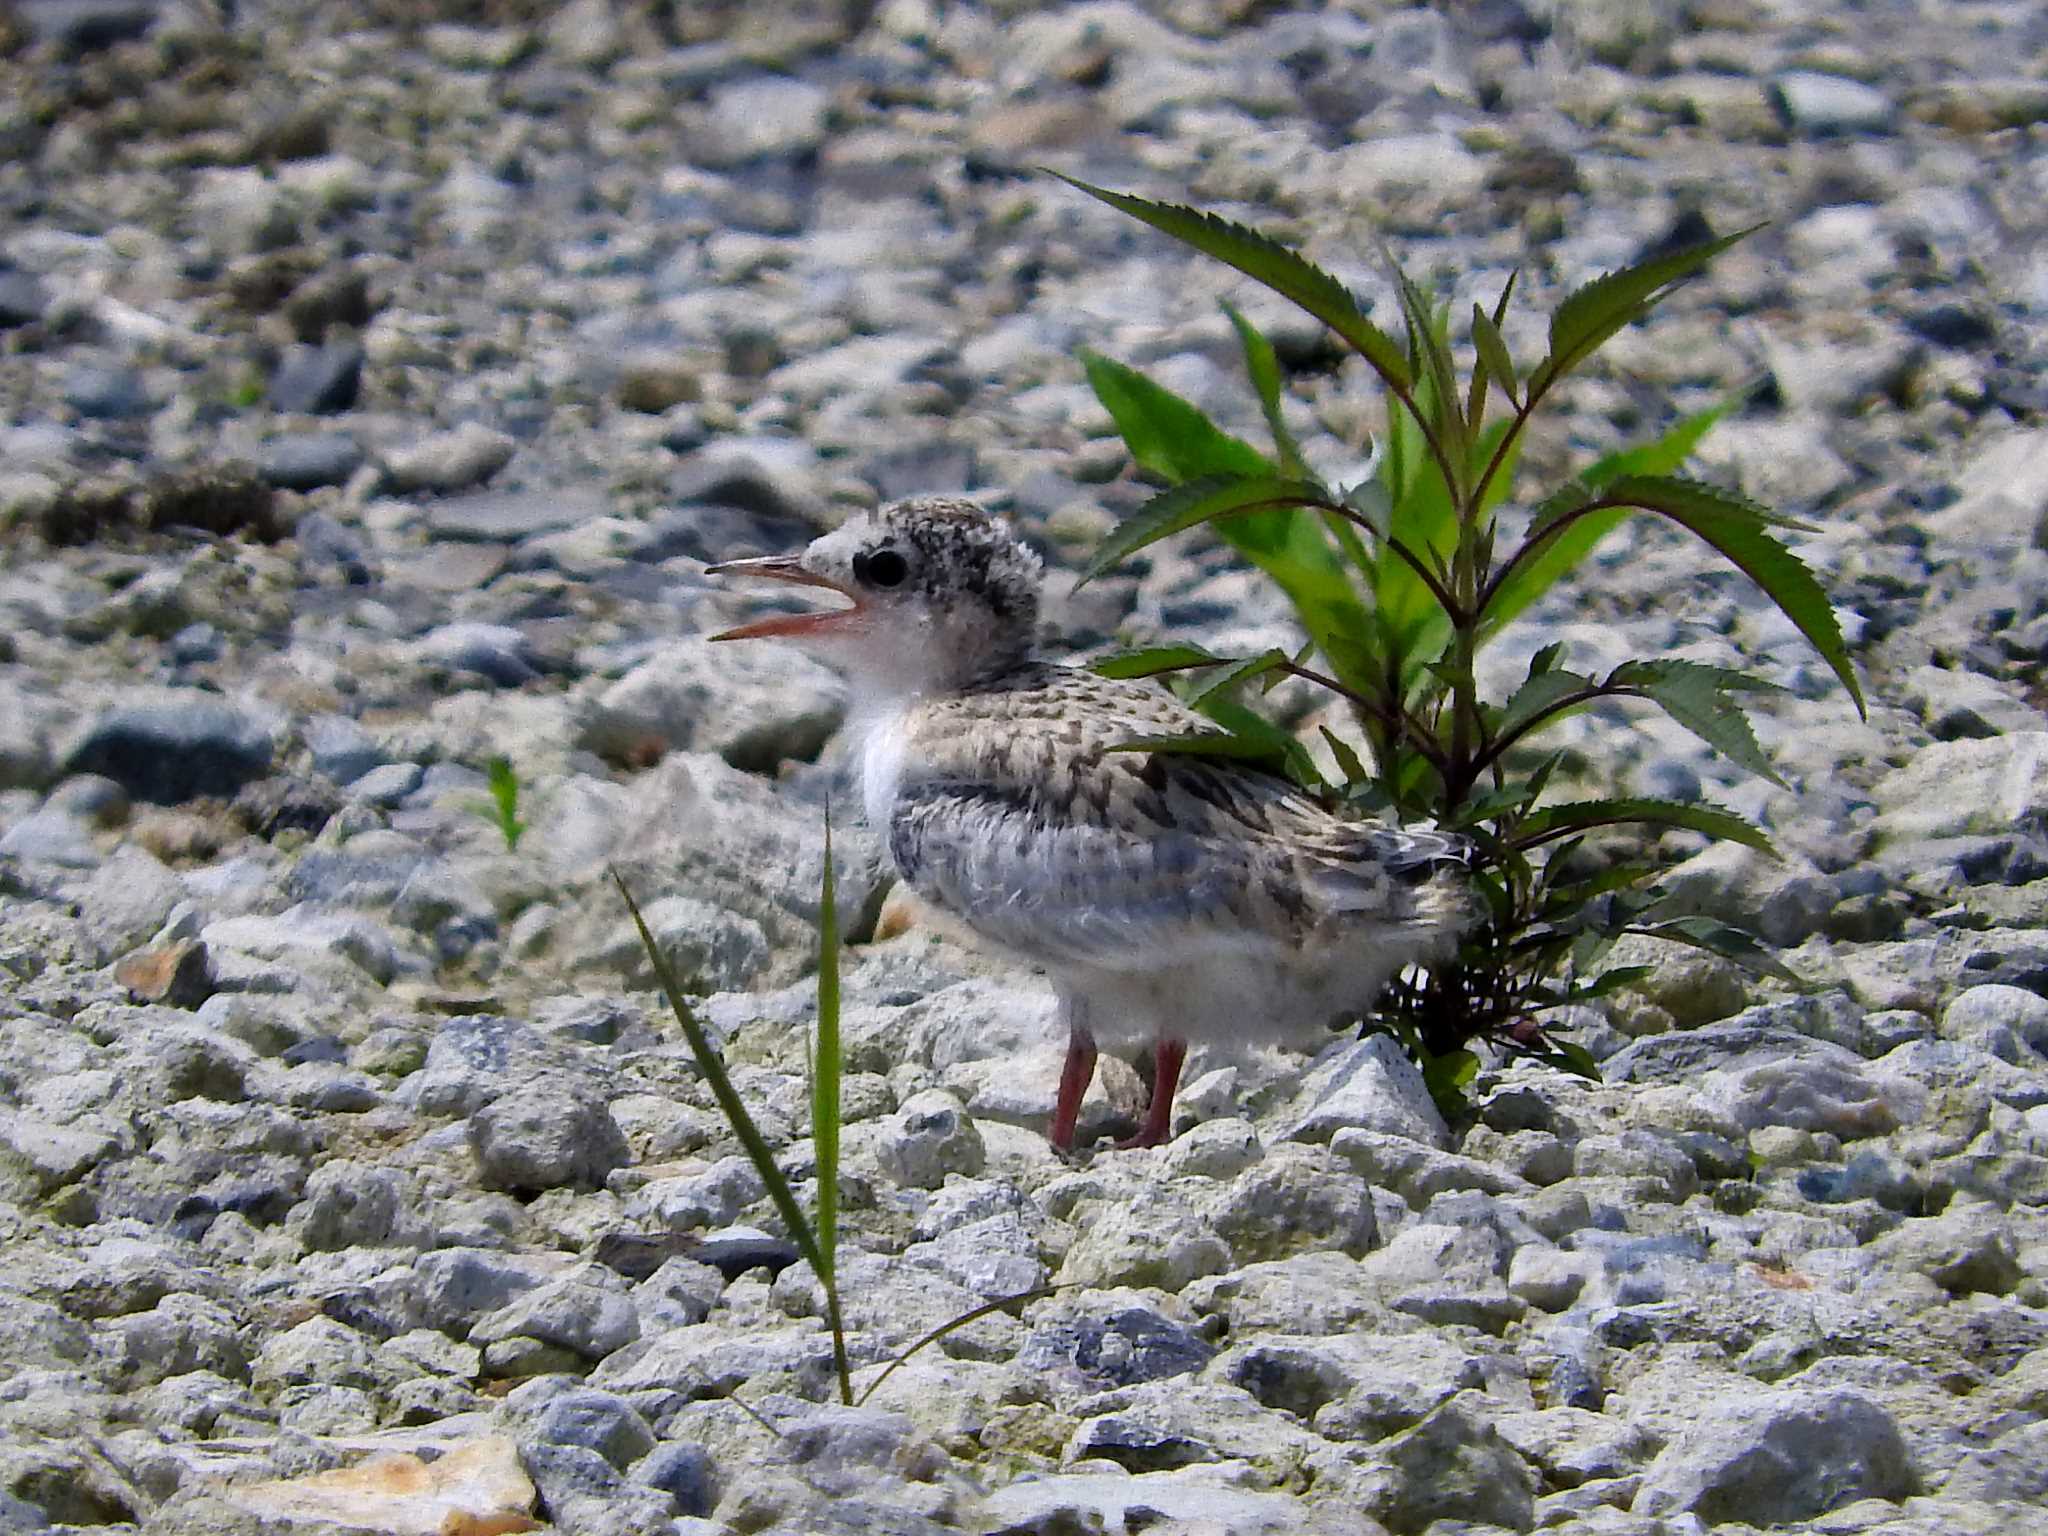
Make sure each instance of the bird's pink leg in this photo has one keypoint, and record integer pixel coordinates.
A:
(1167, 1057)
(1075, 1077)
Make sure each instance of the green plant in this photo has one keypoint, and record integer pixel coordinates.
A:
(1402, 580)
(502, 809)
(816, 1234)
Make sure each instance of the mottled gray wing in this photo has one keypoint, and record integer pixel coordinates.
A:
(1081, 891)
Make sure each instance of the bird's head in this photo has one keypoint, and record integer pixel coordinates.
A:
(941, 592)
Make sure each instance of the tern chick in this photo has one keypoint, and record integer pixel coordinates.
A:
(1169, 898)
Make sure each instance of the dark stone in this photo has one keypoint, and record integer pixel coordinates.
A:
(324, 1048)
(84, 26)
(329, 299)
(684, 1472)
(273, 805)
(636, 1255)
(1137, 1446)
(1689, 229)
(1952, 325)
(223, 499)
(174, 751)
(317, 381)
(734, 1251)
(1149, 1347)
(2020, 965)
(107, 394)
(22, 299)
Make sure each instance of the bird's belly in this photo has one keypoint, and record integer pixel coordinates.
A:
(1233, 1001)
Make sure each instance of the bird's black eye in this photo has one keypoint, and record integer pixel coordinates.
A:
(884, 568)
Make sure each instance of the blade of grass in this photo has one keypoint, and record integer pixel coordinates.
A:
(988, 1309)
(734, 1108)
(825, 1067)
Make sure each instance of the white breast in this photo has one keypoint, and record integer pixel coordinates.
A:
(878, 748)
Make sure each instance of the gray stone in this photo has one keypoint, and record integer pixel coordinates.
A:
(1191, 1498)
(85, 26)
(713, 1198)
(305, 461)
(597, 1421)
(1782, 901)
(22, 299)
(348, 1204)
(1366, 1083)
(753, 707)
(317, 381)
(499, 653)
(930, 1137)
(458, 1285)
(388, 784)
(585, 1496)
(341, 748)
(546, 1135)
(1454, 1465)
(320, 1352)
(1296, 1198)
(50, 836)
(2010, 1023)
(1772, 1457)
(171, 745)
(2011, 1471)
(682, 1471)
(107, 393)
(1820, 104)
(1106, 1340)
(509, 516)
(1965, 788)
(708, 948)
(757, 118)
(449, 461)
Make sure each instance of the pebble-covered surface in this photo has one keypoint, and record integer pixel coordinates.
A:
(375, 380)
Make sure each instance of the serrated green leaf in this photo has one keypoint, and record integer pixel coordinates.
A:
(1240, 672)
(1371, 501)
(1299, 281)
(1723, 939)
(1167, 435)
(1609, 981)
(1555, 555)
(1550, 822)
(1537, 698)
(1222, 744)
(1593, 313)
(1569, 900)
(1494, 361)
(1429, 345)
(1697, 697)
(1249, 725)
(1199, 500)
(1153, 660)
(1347, 760)
(1729, 525)
(1264, 369)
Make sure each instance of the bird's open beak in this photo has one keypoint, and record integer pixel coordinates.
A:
(783, 568)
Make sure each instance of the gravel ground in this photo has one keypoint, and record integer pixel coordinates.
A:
(375, 381)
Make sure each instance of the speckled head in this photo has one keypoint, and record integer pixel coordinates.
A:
(943, 594)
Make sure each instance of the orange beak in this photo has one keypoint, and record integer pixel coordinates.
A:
(783, 568)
